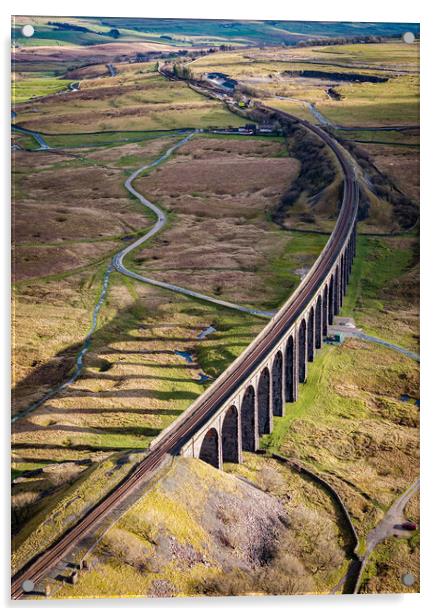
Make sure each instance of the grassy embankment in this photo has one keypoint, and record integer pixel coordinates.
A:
(166, 545)
(383, 289)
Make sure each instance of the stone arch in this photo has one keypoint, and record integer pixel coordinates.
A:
(248, 420)
(345, 270)
(290, 373)
(230, 436)
(311, 335)
(263, 402)
(341, 282)
(277, 385)
(210, 448)
(302, 352)
(325, 311)
(331, 300)
(336, 306)
(347, 276)
(318, 323)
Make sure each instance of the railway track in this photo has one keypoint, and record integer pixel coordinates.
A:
(218, 392)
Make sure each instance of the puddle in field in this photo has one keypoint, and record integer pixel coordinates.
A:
(203, 377)
(302, 272)
(407, 398)
(185, 355)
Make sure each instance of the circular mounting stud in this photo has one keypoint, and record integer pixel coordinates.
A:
(27, 30)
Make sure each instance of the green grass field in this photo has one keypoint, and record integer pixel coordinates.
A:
(393, 53)
(383, 293)
(26, 86)
(381, 104)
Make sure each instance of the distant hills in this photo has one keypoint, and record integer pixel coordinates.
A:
(194, 32)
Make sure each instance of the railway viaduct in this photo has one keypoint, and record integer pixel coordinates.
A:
(234, 422)
(249, 412)
(239, 407)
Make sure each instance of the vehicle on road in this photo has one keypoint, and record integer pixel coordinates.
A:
(409, 525)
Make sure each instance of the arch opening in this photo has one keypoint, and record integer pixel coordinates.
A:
(290, 377)
(277, 385)
(230, 436)
(263, 402)
(302, 350)
(210, 448)
(248, 420)
(311, 335)
(331, 300)
(318, 324)
(342, 282)
(325, 312)
(336, 292)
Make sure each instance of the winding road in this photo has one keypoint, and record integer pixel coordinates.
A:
(161, 221)
(354, 332)
(393, 518)
(37, 136)
(325, 121)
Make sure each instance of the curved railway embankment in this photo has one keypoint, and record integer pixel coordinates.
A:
(172, 439)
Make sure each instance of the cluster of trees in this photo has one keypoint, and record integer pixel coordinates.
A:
(182, 71)
(340, 40)
(316, 168)
(63, 25)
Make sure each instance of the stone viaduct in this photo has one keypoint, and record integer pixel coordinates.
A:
(249, 413)
(236, 410)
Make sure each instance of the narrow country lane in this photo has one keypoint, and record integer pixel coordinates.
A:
(37, 136)
(392, 518)
(387, 527)
(161, 221)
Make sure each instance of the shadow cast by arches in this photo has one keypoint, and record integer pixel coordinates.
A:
(48, 375)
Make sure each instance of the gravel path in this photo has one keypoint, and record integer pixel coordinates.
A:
(353, 332)
(389, 526)
(389, 345)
